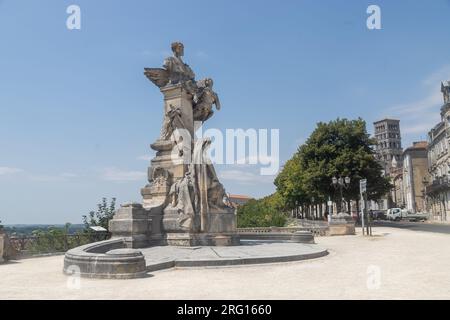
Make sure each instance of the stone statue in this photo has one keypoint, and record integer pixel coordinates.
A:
(172, 120)
(445, 89)
(182, 194)
(184, 198)
(178, 70)
(160, 177)
(211, 192)
(203, 99)
(175, 71)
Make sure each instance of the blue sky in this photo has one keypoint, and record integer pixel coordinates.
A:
(77, 115)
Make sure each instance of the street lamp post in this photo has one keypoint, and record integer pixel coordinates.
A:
(340, 183)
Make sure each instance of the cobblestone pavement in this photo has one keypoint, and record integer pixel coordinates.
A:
(394, 264)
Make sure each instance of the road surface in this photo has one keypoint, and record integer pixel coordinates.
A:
(415, 226)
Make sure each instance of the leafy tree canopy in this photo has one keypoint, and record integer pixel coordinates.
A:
(265, 212)
(102, 215)
(339, 148)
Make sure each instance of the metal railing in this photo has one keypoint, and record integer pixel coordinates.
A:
(438, 184)
(317, 230)
(30, 245)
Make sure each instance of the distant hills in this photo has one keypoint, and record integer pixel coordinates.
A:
(27, 229)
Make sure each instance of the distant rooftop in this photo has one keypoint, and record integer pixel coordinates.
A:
(386, 119)
(239, 196)
(418, 145)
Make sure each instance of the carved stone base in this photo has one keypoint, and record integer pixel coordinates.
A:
(139, 227)
(175, 222)
(202, 239)
(341, 224)
(221, 222)
(2, 248)
(7, 252)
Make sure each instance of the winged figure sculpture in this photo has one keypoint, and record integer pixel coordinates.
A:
(158, 76)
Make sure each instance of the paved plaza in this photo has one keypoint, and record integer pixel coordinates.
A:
(249, 252)
(394, 264)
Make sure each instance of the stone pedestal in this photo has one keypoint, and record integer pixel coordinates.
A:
(341, 224)
(201, 239)
(4, 247)
(302, 237)
(139, 227)
(222, 222)
(177, 96)
(2, 250)
(174, 155)
(221, 231)
(105, 259)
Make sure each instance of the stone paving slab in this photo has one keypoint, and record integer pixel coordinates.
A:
(249, 252)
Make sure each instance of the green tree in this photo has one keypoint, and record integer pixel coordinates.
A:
(55, 239)
(265, 212)
(291, 185)
(51, 240)
(339, 148)
(102, 215)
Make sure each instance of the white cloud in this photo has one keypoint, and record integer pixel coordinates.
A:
(53, 178)
(39, 177)
(118, 175)
(145, 157)
(249, 160)
(68, 175)
(436, 77)
(417, 117)
(244, 177)
(422, 126)
(9, 170)
(432, 98)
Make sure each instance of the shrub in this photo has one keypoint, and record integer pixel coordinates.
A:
(264, 212)
(101, 217)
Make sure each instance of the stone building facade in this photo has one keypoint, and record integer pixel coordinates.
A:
(389, 143)
(438, 184)
(238, 200)
(415, 171)
(397, 196)
(389, 154)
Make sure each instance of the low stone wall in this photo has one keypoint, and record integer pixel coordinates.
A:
(36, 246)
(280, 233)
(5, 248)
(113, 260)
(105, 259)
(341, 224)
(2, 253)
(342, 229)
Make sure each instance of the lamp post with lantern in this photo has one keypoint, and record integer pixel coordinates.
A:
(341, 183)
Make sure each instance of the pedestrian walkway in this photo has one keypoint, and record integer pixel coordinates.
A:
(394, 264)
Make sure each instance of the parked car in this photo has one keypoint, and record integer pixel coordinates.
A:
(397, 214)
(379, 215)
